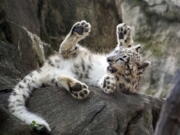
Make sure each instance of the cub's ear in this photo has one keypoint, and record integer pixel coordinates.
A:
(144, 65)
(137, 48)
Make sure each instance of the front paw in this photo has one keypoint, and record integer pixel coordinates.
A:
(81, 28)
(79, 90)
(108, 84)
(122, 30)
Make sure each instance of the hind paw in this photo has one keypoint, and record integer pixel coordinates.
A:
(79, 90)
(76, 88)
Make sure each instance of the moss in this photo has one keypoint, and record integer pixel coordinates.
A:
(151, 91)
(157, 48)
(147, 118)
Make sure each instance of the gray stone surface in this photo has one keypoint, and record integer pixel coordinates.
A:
(10, 66)
(157, 28)
(52, 19)
(100, 114)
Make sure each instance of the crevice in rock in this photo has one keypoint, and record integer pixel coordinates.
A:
(155, 115)
(40, 6)
(36, 43)
(93, 118)
(118, 127)
(5, 31)
(95, 115)
(133, 120)
(42, 9)
(5, 90)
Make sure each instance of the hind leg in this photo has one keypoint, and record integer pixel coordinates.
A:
(76, 88)
(79, 31)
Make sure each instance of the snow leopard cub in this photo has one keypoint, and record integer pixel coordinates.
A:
(72, 68)
(125, 63)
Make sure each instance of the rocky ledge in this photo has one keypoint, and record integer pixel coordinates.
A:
(100, 114)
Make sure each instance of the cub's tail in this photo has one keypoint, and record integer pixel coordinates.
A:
(20, 94)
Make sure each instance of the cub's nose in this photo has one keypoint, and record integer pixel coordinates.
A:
(121, 35)
(109, 59)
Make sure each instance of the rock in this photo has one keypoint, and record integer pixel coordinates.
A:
(100, 114)
(52, 20)
(15, 15)
(11, 67)
(168, 121)
(57, 18)
(157, 28)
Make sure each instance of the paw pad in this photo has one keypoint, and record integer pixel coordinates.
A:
(123, 32)
(80, 91)
(81, 28)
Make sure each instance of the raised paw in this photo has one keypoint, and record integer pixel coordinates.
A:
(40, 129)
(79, 90)
(109, 84)
(123, 32)
(81, 28)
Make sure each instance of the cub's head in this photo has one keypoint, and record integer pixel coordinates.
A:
(124, 34)
(125, 60)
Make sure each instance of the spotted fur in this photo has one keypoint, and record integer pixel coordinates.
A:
(72, 68)
(125, 64)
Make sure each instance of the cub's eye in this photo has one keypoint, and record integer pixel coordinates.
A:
(128, 29)
(124, 56)
(120, 29)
